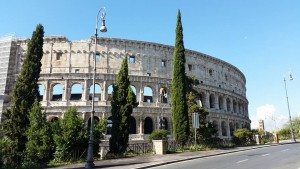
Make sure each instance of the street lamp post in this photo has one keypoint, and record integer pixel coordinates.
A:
(90, 159)
(287, 100)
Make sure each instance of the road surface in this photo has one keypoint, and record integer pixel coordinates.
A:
(275, 157)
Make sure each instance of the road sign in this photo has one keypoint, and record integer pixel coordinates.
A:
(195, 120)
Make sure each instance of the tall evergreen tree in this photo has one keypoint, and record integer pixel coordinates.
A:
(123, 102)
(178, 89)
(40, 144)
(24, 94)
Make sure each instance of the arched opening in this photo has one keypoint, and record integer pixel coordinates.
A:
(221, 105)
(109, 125)
(41, 92)
(237, 125)
(76, 92)
(96, 120)
(165, 123)
(212, 101)
(53, 119)
(216, 126)
(202, 99)
(231, 126)
(234, 107)
(228, 102)
(240, 108)
(133, 89)
(224, 128)
(148, 125)
(132, 125)
(163, 95)
(109, 92)
(148, 94)
(97, 92)
(57, 92)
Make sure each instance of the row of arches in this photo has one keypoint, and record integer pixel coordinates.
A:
(223, 103)
(76, 92)
(227, 129)
(148, 124)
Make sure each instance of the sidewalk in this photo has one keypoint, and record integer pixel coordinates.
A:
(147, 161)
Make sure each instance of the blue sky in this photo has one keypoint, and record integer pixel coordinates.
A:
(261, 38)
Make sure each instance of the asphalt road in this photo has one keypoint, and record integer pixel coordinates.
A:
(275, 157)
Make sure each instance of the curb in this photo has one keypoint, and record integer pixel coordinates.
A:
(217, 154)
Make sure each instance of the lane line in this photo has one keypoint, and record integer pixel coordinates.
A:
(265, 155)
(285, 150)
(242, 161)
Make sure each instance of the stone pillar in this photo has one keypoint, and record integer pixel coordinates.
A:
(50, 58)
(220, 128)
(66, 93)
(69, 58)
(206, 102)
(217, 102)
(85, 91)
(141, 95)
(103, 91)
(228, 128)
(141, 125)
(46, 96)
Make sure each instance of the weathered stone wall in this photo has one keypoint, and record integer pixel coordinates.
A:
(69, 63)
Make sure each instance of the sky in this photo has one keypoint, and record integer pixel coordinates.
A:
(261, 38)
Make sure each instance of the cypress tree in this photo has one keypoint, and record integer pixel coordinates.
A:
(40, 144)
(123, 102)
(179, 106)
(24, 94)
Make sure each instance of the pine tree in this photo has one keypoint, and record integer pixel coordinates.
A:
(178, 89)
(39, 145)
(24, 94)
(122, 106)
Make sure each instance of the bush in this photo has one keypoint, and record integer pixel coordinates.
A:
(160, 134)
(243, 137)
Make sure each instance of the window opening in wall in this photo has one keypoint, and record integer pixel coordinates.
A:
(97, 92)
(190, 67)
(76, 70)
(148, 74)
(210, 72)
(97, 56)
(131, 59)
(226, 77)
(163, 63)
(58, 56)
(76, 92)
(148, 94)
(41, 91)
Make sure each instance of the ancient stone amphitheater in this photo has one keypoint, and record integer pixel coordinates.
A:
(66, 80)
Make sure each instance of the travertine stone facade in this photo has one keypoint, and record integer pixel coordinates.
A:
(66, 80)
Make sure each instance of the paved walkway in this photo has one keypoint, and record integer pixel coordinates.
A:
(147, 161)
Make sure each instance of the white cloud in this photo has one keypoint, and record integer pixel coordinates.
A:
(267, 112)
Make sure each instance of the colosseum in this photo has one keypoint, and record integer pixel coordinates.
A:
(66, 80)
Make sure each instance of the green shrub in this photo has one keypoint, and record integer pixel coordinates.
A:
(160, 134)
(243, 137)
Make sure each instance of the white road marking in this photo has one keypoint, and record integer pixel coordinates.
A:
(265, 155)
(242, 161)
(285, 150)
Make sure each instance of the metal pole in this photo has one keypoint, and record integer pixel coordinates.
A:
(290, 119)
(195, 136)
(90, 159)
